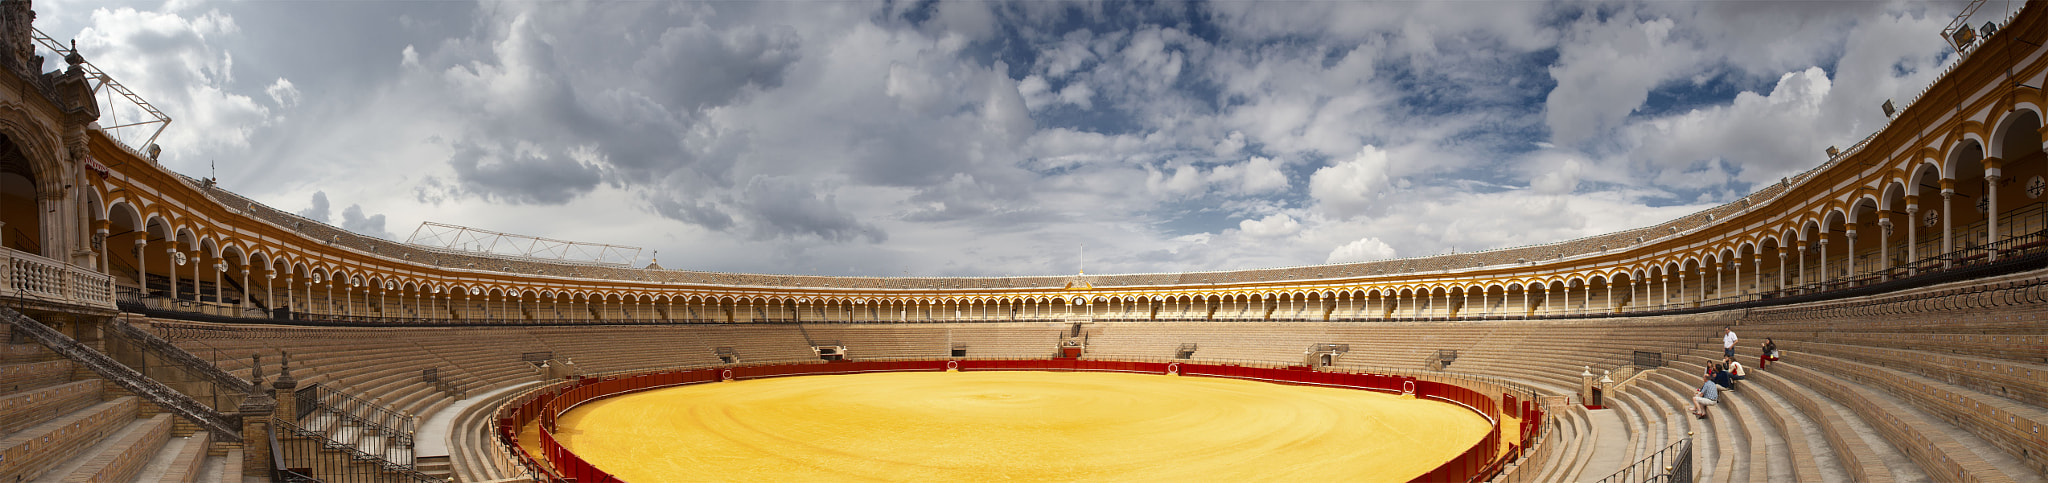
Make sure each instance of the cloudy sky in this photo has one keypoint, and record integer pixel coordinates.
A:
(927, 138)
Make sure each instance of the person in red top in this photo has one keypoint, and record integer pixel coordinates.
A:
(1770, 354)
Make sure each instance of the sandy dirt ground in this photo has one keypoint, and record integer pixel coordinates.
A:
(1015, 426)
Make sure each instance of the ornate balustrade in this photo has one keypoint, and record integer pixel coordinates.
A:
(33, 277)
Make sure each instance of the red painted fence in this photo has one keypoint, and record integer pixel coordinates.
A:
(1478, 463)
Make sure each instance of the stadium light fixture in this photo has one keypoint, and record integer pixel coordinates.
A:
(1888, 109)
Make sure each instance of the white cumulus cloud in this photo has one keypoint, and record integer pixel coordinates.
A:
(1272, 226)
(1351, 187)
(1361, 250)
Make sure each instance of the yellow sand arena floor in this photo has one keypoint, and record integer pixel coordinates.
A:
(1015, 426)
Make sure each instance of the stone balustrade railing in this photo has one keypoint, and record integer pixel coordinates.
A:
(33, 277)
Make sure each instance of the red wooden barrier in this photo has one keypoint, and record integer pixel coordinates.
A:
(1477, 463)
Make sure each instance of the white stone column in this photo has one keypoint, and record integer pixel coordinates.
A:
(1802, 263)
(1527, 309)
(1703, 283)
(1912, 238)
(1948, 221)
(1466, 303)
(1781, 268)
(1992, 174)
(1851, 235)
(141, 273)
(1741, 291)
(1719, 282)
(171, 263)
(219, 296)
(197, 259)
(270, 288)
(1610, 296)
(1824, 262)
(1884, 243)
(246, 284)
(1486, 302)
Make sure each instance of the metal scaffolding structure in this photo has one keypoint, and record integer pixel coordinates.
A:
(464, 239)
(143, 121)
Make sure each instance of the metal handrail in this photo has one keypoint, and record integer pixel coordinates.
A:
(227, 428)
(1671, 464)
(393, 425)
(407, 471)
(173, 353)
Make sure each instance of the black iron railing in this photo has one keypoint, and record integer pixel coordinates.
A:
(301, 454)
(1673, 464)
(200, 379)
(224, 427)
(396, 428)
(1648, 359)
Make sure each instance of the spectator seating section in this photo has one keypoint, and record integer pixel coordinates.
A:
(1933, 396)
(57, 426)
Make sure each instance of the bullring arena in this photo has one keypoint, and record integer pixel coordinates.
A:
(164, 329)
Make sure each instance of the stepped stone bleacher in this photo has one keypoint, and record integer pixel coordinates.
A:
(1868, 398)
(56, 426)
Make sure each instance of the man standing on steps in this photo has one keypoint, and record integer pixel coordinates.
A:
(1727, 342)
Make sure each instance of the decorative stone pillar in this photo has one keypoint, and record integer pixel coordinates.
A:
(257, 410)
(55, 218)
(1586, 385)
(100, 231)
(287, 389)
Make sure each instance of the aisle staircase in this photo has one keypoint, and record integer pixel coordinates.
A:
(91, 421)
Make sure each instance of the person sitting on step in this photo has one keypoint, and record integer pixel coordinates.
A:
(1735, 370)
(1721, 377)
(1770, 354)
(1709, 394)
